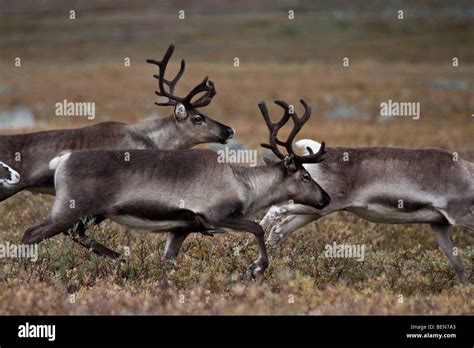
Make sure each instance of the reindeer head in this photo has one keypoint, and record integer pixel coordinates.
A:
(301, 188)
(192, 123)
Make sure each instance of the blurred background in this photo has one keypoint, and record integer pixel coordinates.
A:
(403, 60)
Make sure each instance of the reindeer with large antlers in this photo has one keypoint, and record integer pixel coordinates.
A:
(186, 127)
(181, 191)
(389, 185)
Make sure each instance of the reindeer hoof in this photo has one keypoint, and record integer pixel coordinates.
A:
(275, 234)
(256, 271)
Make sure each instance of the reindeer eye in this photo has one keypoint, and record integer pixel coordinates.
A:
(306, 177)
(198, 119)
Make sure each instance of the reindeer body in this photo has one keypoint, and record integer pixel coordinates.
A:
(32, 152)
(175, 191)
(36, 150)
(149, 191)
(392, 185)
(180, 191)
(389, 185)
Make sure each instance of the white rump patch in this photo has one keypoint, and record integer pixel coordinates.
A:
(56, 161)
(305, 143)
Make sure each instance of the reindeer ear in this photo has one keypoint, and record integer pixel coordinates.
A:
(289, 163)
(180, 113)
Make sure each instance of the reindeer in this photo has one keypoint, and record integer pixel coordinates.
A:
(185, 128)
(8, 176)
(181, 191)
(389, 185)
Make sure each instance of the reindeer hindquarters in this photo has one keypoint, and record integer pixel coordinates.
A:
(66, 214)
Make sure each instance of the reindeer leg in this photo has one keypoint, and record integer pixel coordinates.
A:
(290, 224)
(301, 215)
(276, 211)
(272, 215)
(89, 243)
(445, 241)
(95, 220)
(174, 241)
(49, 228)
(94, 246)
(6, 192)
(238, 224)
(46, 229)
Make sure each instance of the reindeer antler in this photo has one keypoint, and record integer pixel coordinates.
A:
(206, 86)
(298, 123)
(273, 128)
(162, 81)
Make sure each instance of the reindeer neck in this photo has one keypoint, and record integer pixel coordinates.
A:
(264, 185)
(160, 133)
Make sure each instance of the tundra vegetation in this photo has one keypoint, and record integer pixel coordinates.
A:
(403, 271)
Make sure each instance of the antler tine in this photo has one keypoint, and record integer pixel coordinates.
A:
(307, 111)
(206, 86)
(286, 116)
(172, 84)
(298, 123)
(273, 128)
(162, 65)
(314, 157)
(206, 99)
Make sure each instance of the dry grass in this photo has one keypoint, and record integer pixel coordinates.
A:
(403, 272)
